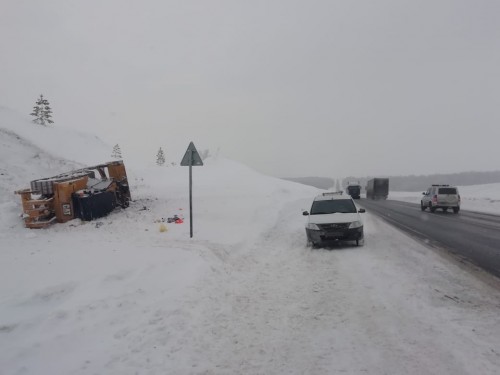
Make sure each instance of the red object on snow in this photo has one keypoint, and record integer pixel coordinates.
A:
(179, 221)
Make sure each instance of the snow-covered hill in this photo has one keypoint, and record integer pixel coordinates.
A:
(60, 142)
(243, 296)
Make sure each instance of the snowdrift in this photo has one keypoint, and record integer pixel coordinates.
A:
(243, 296)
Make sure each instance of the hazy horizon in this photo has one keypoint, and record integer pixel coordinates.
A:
(290, 88)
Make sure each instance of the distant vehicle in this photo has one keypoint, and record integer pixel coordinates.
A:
(377, 188)
(441, 196)
(334, 218)
(354, 190)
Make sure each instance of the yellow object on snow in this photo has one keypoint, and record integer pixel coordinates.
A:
(163, 228)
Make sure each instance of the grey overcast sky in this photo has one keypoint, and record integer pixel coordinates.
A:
(290, 88)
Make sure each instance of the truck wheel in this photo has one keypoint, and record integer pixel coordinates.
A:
(445, 209)
(456, 209)
(422, 207)
(431, 209)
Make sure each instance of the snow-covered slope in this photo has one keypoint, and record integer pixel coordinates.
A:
(58, 141)
(243, 296)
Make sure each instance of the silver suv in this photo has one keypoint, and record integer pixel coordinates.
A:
(441, 196)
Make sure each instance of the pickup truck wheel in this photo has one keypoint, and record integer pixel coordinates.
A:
(456, 209)
(431, 209)
(422, 207)
(445, 209)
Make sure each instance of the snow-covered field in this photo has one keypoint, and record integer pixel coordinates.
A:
(479, 198)
(243, 296)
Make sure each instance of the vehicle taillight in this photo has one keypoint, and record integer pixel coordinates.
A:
(435, 199)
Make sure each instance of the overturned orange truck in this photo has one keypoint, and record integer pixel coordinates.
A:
(86, 193)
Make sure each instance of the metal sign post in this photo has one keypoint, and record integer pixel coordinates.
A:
(191, 158)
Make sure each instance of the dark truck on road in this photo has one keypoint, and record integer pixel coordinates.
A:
(377, 188)
(354, 190)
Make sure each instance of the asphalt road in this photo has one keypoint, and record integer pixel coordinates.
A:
(472, 236)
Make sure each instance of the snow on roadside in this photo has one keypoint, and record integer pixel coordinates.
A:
(479, 198)
(243, 296)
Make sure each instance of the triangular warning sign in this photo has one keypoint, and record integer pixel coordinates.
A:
(191, 157)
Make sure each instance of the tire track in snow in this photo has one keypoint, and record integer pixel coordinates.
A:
(281, 307)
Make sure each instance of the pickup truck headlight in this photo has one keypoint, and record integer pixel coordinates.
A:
(355, 224)
(312, 226)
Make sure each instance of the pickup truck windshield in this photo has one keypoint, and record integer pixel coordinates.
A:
(333, 206)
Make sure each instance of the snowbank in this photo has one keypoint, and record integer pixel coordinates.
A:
(243, 296)
(55, 139)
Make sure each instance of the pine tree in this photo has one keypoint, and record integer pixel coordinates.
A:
(42, 112)
(117, 152)
(160, 157)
